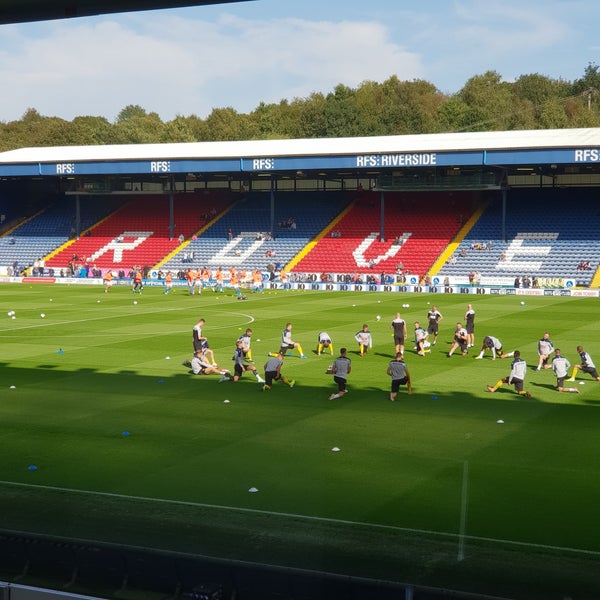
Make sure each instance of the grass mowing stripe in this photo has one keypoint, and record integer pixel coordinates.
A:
(399, 462)
(301, 517)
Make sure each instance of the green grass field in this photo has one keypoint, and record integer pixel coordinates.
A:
(106, 436)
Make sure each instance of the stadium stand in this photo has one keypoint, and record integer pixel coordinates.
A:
(550, 234)
(142, 226)
(298, 218)
(49, 229)
(422, 224)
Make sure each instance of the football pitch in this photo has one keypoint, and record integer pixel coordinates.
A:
(106, 436)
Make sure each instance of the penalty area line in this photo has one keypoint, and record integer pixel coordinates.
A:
(270, 513)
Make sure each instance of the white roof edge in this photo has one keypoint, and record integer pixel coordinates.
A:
(438, 142)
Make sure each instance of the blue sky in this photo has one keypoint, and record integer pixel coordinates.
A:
(189, 61)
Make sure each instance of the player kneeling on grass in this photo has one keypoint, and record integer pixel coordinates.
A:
(364, 339)
(240, 367)
(340, 369)
(398, 371)
(495, 345)
(518, 368)
(460, 340)
(273, 372)
(587, 365)
(246, 339)
(287, 343)
(560, 365)
(421, 340)
(324, 341)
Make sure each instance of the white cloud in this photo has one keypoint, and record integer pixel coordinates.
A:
(189, 61)
(173, 65)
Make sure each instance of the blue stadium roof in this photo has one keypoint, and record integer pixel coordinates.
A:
(482, 149)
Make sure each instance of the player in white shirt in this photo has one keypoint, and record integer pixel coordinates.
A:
(545, 349)
(516, 377)
(421, 340)
(324, 341)
(364, 339)
(287, 343)
(495, 345)
(587, 365)
(560, 365)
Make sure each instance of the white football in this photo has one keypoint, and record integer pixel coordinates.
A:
(42, 315)
(378, 317)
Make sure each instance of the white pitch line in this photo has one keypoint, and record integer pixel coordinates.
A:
(250, 319)
(294, 516)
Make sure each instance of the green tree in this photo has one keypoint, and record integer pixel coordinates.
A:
(489, 101)
(342, 114)
(89, 131)
(178, 130)
(311, 120)
(589, 81)
(535, 90)
(452, 115)
(139, 129)
(131, 111)
(553, 115)
(226, 124)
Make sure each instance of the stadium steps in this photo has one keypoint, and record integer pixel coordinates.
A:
(431, 220)
(149, 214)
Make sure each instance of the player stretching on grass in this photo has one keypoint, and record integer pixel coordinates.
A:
(341, 369)
(545, 349)
(273, 372)
(239, 367)
(398, 371)
(246, 338)
(495, 345)
(461, 338)
(201, 343)
(560, 365)
(324, 342)
(422, 343)
(364, 339)
(587, 365)
(287, 343)
(200, 365)
(518, 368)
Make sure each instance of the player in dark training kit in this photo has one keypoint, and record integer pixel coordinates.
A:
(434, 316)
(341, 369)
(398, 371)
